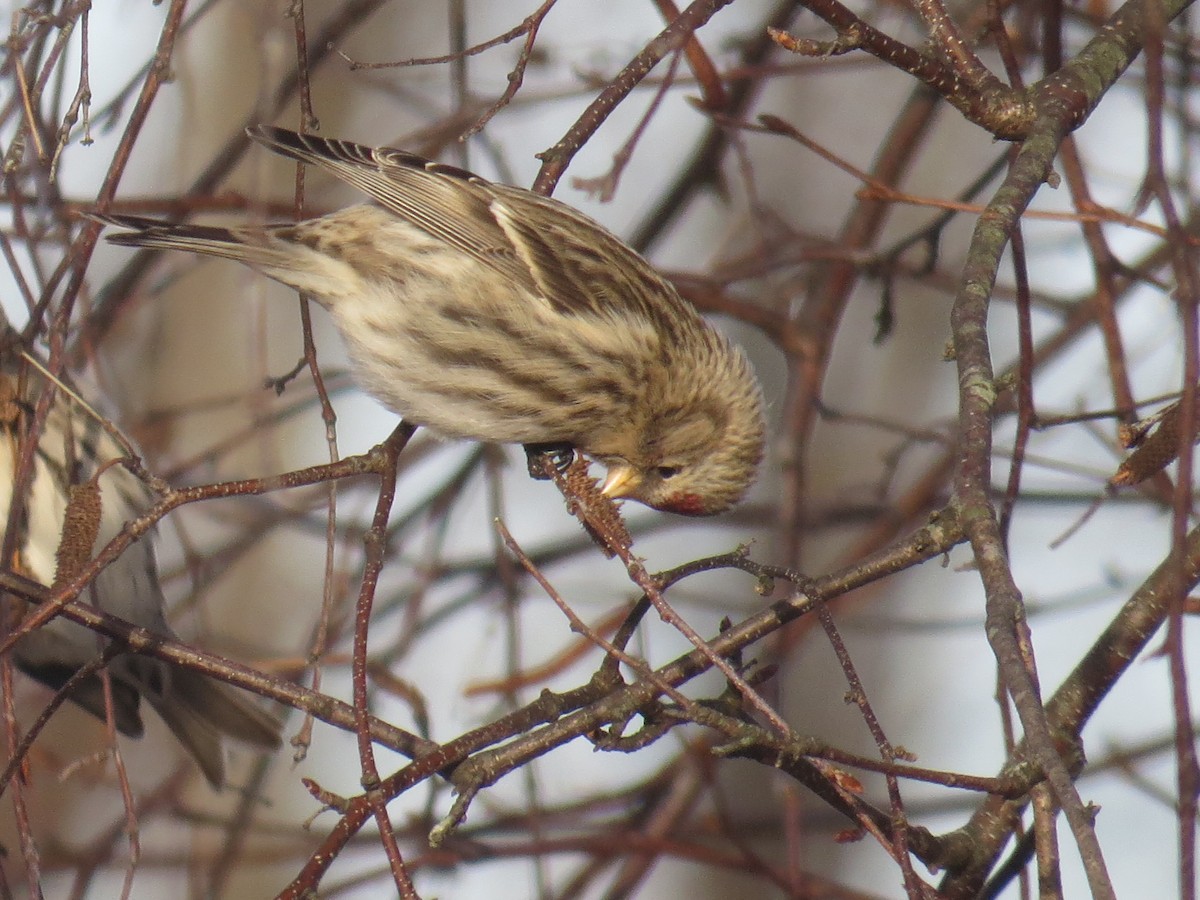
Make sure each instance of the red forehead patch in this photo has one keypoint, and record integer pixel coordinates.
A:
(685, 505)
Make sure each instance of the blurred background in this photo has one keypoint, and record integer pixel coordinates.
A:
(841, 299)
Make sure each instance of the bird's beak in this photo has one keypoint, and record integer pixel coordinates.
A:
(621, 481)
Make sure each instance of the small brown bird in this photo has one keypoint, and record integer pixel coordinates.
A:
(491, 313)
(71, 450)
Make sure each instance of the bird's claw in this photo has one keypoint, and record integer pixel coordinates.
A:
(540, 457)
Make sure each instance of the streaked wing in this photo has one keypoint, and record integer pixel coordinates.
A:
(581, 267)
(448, 203)
(545, 246)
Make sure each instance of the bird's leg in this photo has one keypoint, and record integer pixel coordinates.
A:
(559, 455)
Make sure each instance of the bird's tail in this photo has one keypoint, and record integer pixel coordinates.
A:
(252, 246)
(201, 711)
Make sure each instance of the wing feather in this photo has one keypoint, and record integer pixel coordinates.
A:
(546, 247)
(448, 203)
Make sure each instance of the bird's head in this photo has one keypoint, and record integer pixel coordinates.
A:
(699, 453)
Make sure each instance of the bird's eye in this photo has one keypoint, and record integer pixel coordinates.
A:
(666, 472)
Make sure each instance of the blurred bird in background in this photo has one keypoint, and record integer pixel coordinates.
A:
(72, 454)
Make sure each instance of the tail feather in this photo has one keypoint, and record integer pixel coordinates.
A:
(252, 246)
(198, 735)
(200, 711)
(228, 709)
